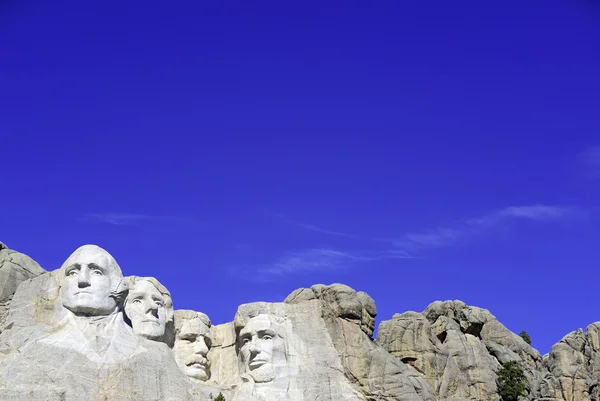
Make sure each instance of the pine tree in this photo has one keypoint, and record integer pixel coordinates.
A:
(511, 382)
(220, 397)
(525, 337)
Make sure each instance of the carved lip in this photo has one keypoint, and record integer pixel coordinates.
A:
(197, 365)
(255, 363)
(82, 292)
(150, 321)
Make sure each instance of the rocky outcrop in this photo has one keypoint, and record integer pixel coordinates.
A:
(15, 268)
(350, 317)
(574, 366)
(85, 331)
(458, 349)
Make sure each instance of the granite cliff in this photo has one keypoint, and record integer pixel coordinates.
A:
(86, 332)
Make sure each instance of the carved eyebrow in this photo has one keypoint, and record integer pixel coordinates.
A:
(95, 266)
(74, 266)
(266, 331)
(187, 336)
(245, 335)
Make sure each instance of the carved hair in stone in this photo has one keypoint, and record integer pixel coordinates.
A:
(260, 343)
(192, 343)
(149, 308)
(91, 282)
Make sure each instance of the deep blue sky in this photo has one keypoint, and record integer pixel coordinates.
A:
(418, 151)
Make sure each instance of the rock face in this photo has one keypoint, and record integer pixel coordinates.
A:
(15, 268)
(66, 337)
(574, 366)
(458, 349)
(349, 318)
(85, 331)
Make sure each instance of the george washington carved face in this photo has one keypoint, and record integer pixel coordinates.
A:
(89, 279)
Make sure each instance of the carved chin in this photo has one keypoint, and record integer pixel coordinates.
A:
(198, 373)
(151, 331)
(263, 374)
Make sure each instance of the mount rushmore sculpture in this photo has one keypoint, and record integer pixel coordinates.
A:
(86, 332)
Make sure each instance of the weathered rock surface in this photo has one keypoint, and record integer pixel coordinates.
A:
(458, 349)
(574, 366)
(15, 268)
(349, 318)
(85, 331)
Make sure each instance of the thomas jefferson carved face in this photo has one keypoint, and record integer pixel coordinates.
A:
(90, 275)
(146, 308)
(192, 343)
(261, 348)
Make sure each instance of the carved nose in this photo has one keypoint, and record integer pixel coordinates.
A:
(253, 347)
(200, 347)
(83, 278)
(152, 308)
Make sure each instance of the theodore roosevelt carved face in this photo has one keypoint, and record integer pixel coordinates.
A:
(90, 282)
(192, 343)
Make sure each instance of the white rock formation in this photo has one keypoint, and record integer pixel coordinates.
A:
(65, 336)
(85, 332)
(349, 319)
(15, 268)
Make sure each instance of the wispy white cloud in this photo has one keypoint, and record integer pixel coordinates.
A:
(120, 219)
(590, 160)
(312, 227)
(444, 236)
(319, 259)
(410, 245)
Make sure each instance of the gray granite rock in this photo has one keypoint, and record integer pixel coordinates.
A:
(459, 348)
(85, 331)
(15, 268)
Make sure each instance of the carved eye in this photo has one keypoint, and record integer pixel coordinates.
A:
(267, 337)
(159, 303)
(97, 272)
(245, 340)
(136, 301)
(72, 272)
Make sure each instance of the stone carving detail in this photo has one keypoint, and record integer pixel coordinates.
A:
(66, 337)
(84, 331)
(91, 282)
(149, 308)
(92, 291)
(192, 343)
(261, 347)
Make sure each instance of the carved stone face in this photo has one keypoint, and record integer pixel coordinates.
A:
(89, 278)
(192, 343)
(261, 348)
(145, 307)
